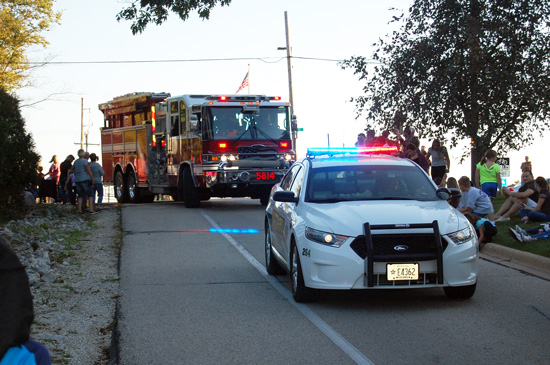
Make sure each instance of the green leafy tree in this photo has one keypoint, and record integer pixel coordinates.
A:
(143, 12)
(18, 160)
(22, 24)
(475, 70)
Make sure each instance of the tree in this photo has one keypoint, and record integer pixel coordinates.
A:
(18, 160)
(144, 12)
(22, 24)
(473, 69)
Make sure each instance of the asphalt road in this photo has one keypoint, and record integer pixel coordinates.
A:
(190, 296)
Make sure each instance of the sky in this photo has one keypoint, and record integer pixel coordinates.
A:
(248, 30)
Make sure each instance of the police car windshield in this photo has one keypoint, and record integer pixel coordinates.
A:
(359, 182)
(233, 123)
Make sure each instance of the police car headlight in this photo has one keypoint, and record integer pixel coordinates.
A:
(464, 235)
(325, 238)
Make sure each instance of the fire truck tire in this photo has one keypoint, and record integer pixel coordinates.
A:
(190, 192)
(132, 191)
(120, 187)
(264, 197)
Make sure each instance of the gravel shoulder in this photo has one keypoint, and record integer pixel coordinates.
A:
(72, 264)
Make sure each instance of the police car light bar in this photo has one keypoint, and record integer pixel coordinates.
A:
(382, 150)
(379, 149)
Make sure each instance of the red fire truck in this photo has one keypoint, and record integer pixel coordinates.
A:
(194, 147)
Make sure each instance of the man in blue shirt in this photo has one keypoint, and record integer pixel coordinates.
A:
(474, 200)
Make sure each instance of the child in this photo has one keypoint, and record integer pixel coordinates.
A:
(533, 234)
(487, 175)
(485, 229)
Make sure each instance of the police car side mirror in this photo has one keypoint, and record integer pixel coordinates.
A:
(285, 196)
(294, 123)
(443, 193)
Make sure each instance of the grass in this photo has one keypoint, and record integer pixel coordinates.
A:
(539, 247)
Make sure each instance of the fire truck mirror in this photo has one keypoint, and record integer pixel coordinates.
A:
(294, 123)
(174, 129)
(194, 122)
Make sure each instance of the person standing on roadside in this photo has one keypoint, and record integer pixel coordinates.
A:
(414, 155)
(98, 172)
(440, 162)
(84, 180)
(487, 175)
(526, 166)
(64, 169)
(52, 178)
(360, 140)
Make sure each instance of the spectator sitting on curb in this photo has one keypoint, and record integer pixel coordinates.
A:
(474, 200)
(533, 234)
(527, 194)
(485, 229)
(540, 213)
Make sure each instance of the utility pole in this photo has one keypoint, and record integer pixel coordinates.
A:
(82, 123)
(289, 64)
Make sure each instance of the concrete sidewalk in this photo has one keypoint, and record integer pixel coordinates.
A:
(520, 260)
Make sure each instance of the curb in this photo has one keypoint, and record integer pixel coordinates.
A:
(524, 261)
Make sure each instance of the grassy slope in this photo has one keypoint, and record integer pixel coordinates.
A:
(539, 247)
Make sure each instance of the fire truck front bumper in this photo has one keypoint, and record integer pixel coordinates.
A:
(247, 172)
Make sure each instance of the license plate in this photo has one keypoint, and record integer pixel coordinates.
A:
(402, 271)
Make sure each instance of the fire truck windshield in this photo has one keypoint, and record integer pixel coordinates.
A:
(233, 123)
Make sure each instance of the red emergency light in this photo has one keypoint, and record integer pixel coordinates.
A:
(222, 145)
(284, 146)
(223, 98)
(378, 149)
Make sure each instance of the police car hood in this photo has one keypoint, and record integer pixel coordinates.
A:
(347, 218)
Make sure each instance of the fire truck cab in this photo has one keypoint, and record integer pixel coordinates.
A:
(194, 147)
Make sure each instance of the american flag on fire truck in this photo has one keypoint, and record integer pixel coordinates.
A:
(244, 83)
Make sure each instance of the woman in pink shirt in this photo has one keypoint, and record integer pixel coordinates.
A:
(54, 170)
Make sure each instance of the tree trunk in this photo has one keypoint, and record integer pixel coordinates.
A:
(476, 155)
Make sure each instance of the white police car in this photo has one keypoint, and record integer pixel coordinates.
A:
(343, 220)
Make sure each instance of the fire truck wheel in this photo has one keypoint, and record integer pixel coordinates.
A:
(132, 189)
(120, 189)
(190, 192)
(264, 197)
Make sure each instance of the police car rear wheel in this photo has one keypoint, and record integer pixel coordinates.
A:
(271, 264)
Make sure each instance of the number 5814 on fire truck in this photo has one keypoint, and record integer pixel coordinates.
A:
(194, 147)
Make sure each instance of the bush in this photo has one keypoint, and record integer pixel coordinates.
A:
(18, 160)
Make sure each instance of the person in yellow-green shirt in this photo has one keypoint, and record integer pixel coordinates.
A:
(488, 175)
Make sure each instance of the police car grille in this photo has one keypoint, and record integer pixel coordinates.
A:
(398, 247)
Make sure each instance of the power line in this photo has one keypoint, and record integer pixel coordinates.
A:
(263, 59)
